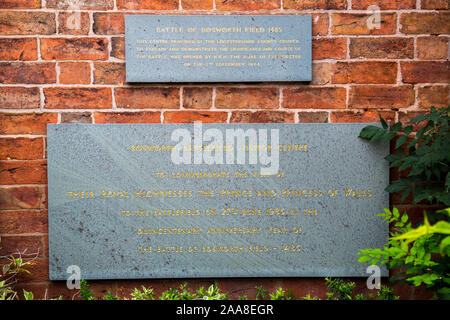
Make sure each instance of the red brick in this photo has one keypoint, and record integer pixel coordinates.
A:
(435, 4)
(21, 148)
(321, 73)
(249, 5)
(329, 48)
(191, 116)
(432, 48)
(315, 4)
(371, 116)
(247, 98)
(384, 4)
(382, 97)
(109, 23)
(15, 222)
(197, 4)
(416, 212)
(434, 96)
(128, 117)
(125, 288)
(197, 97)
(74, 72)
(45, 236)
(148, 97)
(26, 123)
(27, 23)
(19, 98)
(425, 22)
(313, 117)
(382, 48)
(23, 172)
(314, 98)
(109, 73)
(147, 4)
(356, 23)
(76, 117)
(13, 245)
(118, 48)
(81, 4)
(17, 198)
(99, 289)
(76, 23)
(320, 23)
(74, 48)
(78, 98)
(27, 72)
(264, 116)
(425, 71)
(18, 49)
(365, 72)
(20, 4)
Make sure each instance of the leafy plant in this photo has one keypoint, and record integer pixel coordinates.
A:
(28, 295)
(85, 292)
(426, 154)
(339, 289)
(145, 294)
(308, 297)
(421, 253)
(261, 294)
(109, 296)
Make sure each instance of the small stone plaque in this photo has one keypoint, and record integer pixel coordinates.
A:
(234, 200)
(212, 48)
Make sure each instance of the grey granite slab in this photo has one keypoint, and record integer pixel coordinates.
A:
(105, 238)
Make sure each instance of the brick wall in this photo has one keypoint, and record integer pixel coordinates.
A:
(51, 73)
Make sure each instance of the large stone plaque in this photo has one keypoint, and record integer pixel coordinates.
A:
(242, 48)
(185, 200)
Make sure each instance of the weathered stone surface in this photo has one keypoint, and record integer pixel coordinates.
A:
(121, 178)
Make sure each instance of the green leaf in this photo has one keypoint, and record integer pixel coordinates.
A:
(401, 141)
(388, 137)
(378, 135)
(408, 129)
(418, 118)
